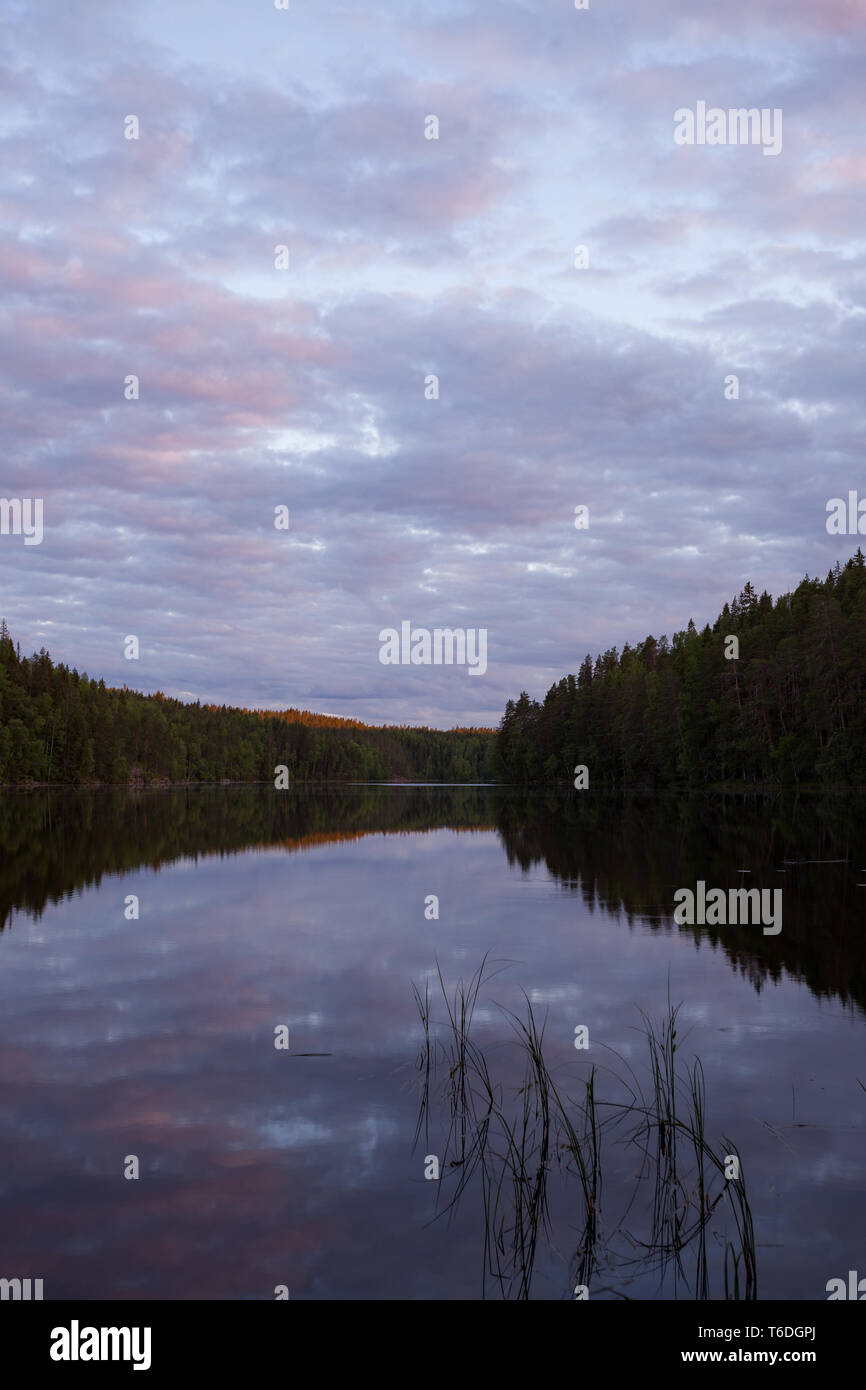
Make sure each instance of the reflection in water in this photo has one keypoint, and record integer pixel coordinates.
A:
(629, 855)
(626, 855)
(54, 842)
(306, 909)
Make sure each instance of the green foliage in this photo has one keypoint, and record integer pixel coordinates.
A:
(59, 727)
(789, 710)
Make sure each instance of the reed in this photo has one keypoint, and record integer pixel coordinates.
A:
(507, 1144)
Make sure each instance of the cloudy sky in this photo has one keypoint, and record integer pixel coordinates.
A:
(559, 385)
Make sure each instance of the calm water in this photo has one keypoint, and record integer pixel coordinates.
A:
(262, 1167)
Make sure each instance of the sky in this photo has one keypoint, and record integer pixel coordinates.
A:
(301, 379)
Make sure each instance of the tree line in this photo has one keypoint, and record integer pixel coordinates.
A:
(772, 692)
(782, 703)
(60, 727)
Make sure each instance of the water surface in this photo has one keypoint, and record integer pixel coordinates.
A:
(261, 1167)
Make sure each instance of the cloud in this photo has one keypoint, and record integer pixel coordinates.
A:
(410, 257)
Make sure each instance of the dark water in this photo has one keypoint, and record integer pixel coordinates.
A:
(262, 1167)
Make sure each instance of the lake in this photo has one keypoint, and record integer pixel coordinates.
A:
(215, 986)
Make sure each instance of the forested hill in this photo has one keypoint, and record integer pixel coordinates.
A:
(57, 726)
(790, 709)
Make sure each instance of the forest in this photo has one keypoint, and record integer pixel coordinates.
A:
(60, 728)
(783, 704)
(771, 693)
